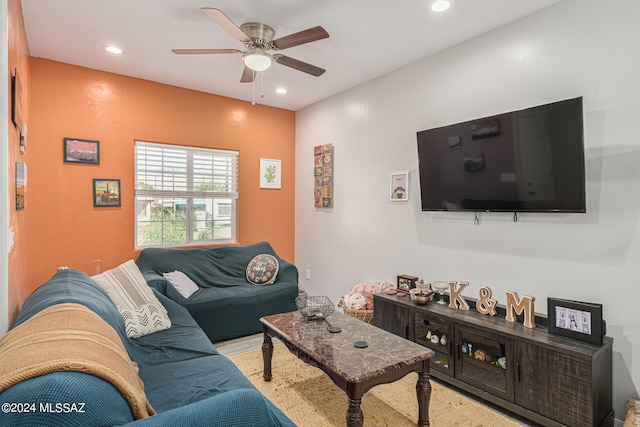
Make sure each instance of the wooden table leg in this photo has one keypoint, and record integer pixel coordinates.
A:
(355, 391)
(355, 418)
(267, 354)
(423, 391)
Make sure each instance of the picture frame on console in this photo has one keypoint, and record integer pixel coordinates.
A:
(576, 319)
(406, 283)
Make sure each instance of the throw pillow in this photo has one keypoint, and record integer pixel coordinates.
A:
(181, 283)
(128, 290)
(262, 269)
(144, 320)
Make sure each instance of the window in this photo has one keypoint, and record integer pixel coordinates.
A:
(185, 195)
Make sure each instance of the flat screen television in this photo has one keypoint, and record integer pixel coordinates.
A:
(530, 160)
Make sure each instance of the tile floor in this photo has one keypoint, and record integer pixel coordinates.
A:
(240, 345)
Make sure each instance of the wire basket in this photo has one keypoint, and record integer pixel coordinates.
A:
(315, 308)
(364, 315)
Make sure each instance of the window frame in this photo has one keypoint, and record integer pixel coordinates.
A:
(185, 189)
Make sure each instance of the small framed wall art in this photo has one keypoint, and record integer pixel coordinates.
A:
(21, 185)
(399, 187)
(106, 193)
(85, 151)
(16, 101)
(323, 176)
(270, 173)
(575, 319)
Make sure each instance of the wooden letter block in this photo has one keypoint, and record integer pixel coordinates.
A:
(515, 305)
(455, 299)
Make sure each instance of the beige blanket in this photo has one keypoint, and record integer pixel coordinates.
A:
(70, 337)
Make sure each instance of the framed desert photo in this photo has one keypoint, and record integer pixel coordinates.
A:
(21, 183)
(399, 187)
(575, 319)
(84, 151)
(106, 193)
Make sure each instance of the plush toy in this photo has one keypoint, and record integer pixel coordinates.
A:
(366, 290)
(355, 301)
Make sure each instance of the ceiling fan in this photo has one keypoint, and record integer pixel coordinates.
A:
(258, 39)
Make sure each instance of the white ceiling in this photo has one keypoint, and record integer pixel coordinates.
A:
(368, 38)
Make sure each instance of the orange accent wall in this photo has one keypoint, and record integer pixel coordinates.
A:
(18, 59)
(69, 101)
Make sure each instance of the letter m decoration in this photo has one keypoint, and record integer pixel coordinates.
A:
(525, 306)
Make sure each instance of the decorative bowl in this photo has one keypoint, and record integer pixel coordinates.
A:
(423, 297)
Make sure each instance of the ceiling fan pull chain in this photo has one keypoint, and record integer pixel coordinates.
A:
(253, 89)
(262, 85)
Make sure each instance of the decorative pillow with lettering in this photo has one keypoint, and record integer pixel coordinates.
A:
(181, 283)
(262, 269)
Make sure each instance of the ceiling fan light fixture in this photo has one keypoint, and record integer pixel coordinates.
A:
(441, 5)
(257, 61)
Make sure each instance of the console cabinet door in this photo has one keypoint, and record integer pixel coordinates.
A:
(436, 333)
(553, 384)
(393, 318)
(483, 359)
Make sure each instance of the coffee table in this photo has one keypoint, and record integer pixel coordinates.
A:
(386, 358)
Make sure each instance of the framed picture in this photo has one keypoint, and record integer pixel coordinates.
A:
(270, 173)
(399, 187)
(16, 101)
(21, 185)
(575, 319)
(323, 176)
(106, 193)
(406, 283)
(84, 151)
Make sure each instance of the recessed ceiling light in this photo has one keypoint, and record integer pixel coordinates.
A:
(113, 49)
(441, 5)
(281, 90)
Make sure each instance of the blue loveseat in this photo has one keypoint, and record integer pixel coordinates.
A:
(226, 305)
(186, 381)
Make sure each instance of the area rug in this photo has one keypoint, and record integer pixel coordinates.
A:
(307, 396)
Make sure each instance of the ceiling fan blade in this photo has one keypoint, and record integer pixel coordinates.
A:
(203, 51)
(227, 24)
(299, 65)
(301, 37)
(247, 75)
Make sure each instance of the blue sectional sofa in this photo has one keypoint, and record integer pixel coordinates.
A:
(226, 305)
(186, 380)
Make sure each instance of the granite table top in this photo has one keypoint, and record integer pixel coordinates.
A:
(337, 351)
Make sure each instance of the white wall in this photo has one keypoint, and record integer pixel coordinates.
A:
(575, 48)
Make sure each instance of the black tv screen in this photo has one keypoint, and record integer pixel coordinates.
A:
(530, 160)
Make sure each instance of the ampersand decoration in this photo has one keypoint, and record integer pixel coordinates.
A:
(485, 304)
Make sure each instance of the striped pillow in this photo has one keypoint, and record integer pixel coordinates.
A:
(128, 290)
